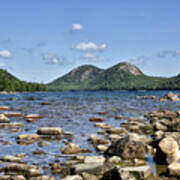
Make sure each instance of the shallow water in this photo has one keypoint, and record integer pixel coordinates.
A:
(71, 111)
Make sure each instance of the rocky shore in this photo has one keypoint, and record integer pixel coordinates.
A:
(123, 151)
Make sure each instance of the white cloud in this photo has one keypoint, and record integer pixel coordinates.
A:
(89, 46)
(5, 54)
(168, 54)
(77, 27)
(90, 56)
(139, 60)
(52, 58)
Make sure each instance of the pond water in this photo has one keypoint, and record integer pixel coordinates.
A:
(71, 111)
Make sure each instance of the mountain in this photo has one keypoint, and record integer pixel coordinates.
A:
(78, 78)
(8, 83)
(122, 76)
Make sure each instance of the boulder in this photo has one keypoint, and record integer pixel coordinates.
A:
(127, 148)
(71, 148)
(50, 131)
(171, 96)
(168, 149)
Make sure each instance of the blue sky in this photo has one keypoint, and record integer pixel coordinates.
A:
(41, 40)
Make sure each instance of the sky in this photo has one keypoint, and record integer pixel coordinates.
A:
(41, 40)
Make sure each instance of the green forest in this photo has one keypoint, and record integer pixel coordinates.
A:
(9, 83)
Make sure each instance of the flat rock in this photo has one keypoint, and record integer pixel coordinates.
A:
(50, 131)
(13, 114)
(92, 168)
(4, 108)
(33, 116)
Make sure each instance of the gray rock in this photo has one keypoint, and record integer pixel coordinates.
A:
(92, 168)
